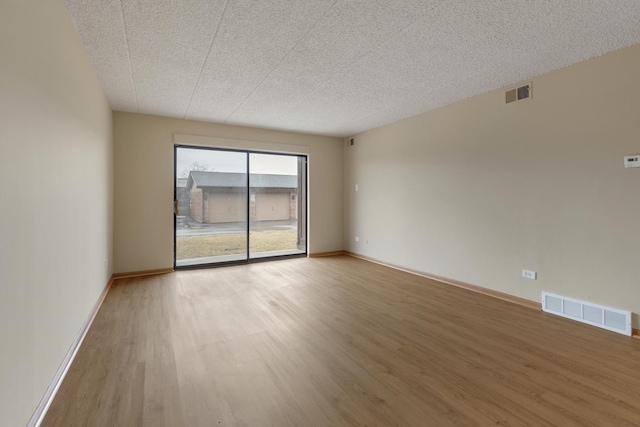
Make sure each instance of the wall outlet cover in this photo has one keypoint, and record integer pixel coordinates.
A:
(632, 161)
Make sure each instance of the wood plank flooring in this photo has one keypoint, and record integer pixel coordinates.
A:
(338, 342)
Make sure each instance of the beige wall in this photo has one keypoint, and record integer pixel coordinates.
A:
(143, 153)
(56, 174)
(479, 190)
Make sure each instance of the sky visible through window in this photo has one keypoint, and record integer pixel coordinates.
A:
(229, 161)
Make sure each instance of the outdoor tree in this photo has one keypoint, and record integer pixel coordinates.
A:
(195, 167)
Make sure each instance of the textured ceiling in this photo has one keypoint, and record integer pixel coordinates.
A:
(333, 67)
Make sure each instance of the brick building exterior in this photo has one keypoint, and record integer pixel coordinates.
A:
(219, 197)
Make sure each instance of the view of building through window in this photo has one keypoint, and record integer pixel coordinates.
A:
(237, 205)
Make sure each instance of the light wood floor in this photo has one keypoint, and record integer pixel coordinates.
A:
(338, 342)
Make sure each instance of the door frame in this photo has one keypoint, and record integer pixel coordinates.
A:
(248, 259)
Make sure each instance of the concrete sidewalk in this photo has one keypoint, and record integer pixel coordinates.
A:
(186, 226)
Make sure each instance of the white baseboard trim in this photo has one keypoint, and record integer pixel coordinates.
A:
(45, 402)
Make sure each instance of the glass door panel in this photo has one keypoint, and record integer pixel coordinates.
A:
(211, 206)
(277, 205)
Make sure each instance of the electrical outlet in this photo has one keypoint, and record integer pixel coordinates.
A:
(632, 161)
(356, 187)
(528, 274)
(357, 239)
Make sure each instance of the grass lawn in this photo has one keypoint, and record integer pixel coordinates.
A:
(230, 244)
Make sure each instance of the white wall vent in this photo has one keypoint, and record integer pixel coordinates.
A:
(608, 318)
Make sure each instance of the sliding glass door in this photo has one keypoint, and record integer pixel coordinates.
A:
(211, 206)
(277, 213)
(238, 206)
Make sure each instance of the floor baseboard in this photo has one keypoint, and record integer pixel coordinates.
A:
(325, 254)
(141, 273)
(47, 398)
(468, 286)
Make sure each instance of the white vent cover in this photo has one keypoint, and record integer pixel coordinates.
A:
(597, 315)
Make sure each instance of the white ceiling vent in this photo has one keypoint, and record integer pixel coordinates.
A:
(593, 314)
(518, 94)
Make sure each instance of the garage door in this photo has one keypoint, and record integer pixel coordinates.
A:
(229, 207)
(272, 206)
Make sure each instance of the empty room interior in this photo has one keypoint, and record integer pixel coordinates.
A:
(319, 213)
